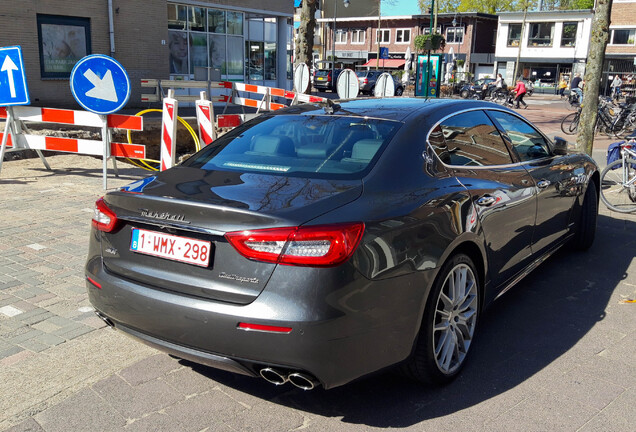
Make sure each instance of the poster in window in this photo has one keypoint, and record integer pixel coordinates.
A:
(63, 41)
(178, 45)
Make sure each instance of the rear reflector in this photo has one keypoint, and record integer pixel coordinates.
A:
(104, 219)
(264, 328)
(312, 246)
(94, 283)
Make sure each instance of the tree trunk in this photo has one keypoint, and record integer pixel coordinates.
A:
(305, 40)
(593, 74)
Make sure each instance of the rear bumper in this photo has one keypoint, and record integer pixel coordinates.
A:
(337, 335)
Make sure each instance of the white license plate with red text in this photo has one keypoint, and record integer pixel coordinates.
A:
(176, 248)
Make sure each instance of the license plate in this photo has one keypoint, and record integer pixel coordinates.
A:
(175, 248)
(321, 78)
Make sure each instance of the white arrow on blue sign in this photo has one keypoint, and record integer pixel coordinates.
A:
(100, 84)
(13, 83)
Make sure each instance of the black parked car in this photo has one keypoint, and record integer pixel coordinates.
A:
(479, 88)
(368, 78)
(318, 244)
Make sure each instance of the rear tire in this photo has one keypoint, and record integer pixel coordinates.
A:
(448, 325)
(464, 94)
(586, 229)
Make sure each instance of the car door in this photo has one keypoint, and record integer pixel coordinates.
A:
(502, 192)
(550, 174)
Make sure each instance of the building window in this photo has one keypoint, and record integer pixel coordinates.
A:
(569, 34)
(514, 35)
(358, 36)
(541, 34)
(63, 41)
(427, 30)
(623, 36)
(341, 36)
(403, 36)
(206, 37)
(383, 36)
(455, 35)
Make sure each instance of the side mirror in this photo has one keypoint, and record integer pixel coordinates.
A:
(560, 146)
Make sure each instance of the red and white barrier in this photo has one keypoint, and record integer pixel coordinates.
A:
(19, 139)
(169, 131)
(205, 116)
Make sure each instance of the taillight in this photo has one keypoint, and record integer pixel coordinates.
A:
(104, 219)
(366, 81)
(313, 246)
(328, 76)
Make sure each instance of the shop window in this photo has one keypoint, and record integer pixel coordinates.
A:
(623, 36)
(270, 29)
(455, 35)
(270, 60)
(403, 36)
(234, 57)
(255, 59)
(568, 39)
(541, 34)
(62, 41)
(177, 17)
(218, 52)
(178, 44)
(196, 18)
(198, 50)
(514, 35)
(358, 36)
(216, 21)
(235, 23)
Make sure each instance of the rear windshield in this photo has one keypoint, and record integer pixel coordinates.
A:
(322, 72)
(321, 146)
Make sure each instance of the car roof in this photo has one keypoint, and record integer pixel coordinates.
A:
(398, 108)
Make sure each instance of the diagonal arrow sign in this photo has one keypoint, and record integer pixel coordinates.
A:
(8, 66)
(104, 88)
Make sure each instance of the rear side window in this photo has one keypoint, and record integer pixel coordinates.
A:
(469, 139)
(322, 146)
(526, 141)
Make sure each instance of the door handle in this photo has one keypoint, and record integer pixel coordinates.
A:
(486, 201)
(543, 184)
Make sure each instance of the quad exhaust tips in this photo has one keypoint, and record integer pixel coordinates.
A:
(298, 379)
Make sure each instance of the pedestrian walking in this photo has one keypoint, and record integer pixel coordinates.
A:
(520, 92)
(563, 84)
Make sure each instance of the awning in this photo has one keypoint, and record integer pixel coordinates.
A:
(386, 63)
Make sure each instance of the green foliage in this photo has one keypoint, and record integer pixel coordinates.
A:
(427, 42)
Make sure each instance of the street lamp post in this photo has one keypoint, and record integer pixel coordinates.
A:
(333, 50)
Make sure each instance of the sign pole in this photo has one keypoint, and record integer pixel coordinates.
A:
(7, 131)
(106, 141)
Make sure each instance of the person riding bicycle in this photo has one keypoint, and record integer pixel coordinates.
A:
(575, 86)
(520, 92)
(616, 87)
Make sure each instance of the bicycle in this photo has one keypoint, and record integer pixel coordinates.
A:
(618, 179)
(607, 120)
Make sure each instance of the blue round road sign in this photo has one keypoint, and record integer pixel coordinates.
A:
(100, 84)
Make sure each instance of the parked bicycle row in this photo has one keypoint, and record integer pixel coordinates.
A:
(613, 119)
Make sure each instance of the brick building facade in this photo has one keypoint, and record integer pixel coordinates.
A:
(54, 34)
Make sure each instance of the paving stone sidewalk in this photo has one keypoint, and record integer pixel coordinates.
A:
(557, 353)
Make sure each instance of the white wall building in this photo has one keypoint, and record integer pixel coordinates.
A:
(553, 44)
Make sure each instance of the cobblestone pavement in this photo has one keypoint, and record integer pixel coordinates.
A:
(556, 353)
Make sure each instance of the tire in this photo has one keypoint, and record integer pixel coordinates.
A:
(570, 123)
(464, 94)
(586, 229)
(439, 353)
(615, 196)
(399, 91)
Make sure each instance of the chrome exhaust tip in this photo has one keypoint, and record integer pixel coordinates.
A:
(303, 381)
(104, 318)
(273, 376)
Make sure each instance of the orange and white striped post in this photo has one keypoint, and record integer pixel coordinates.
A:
(169, 131)
(205, 115)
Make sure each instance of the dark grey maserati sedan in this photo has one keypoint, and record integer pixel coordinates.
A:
(318, 244)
